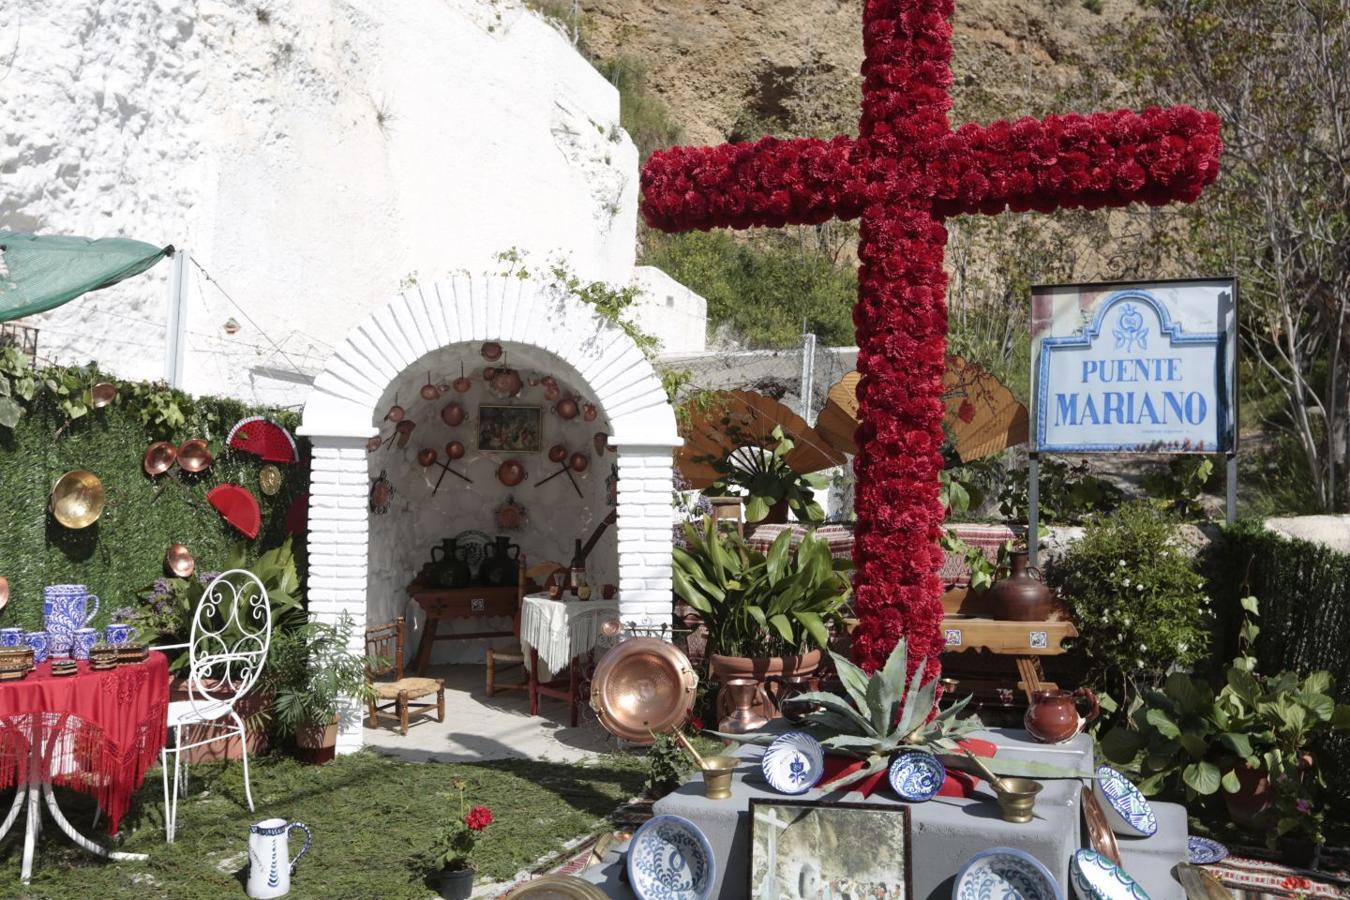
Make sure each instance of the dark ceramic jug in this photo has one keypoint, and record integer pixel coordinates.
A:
(1053, 716)
(499, 568)
(1022, 596)
(450, 570)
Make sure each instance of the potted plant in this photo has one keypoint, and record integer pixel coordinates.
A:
(1251, 740)
(767, 614)
(770, 486)
(310, 673)
(452, 851)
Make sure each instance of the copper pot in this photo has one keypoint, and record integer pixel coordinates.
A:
(551, 392)
(429, 391)
(194, 456)
(492, 351)
(77, 499)
(179, 562)
(426, 457)
(567, 408)
(454, 450)
(1022, 596)
(510, 517)
(1052, 717)
(374, 444)
(102, 394)
(579, 462)
(507, 381)
(462, 384)
(452, 414)
(557, 453)
(589, 412)
(549, 381)
(159, 458)
(489, 373)
(395, 414)
(511, 473)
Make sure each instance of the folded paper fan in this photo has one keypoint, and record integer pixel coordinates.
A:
(264, 439)
(238, 506)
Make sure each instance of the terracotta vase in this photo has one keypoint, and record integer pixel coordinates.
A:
(1022, 596)
(763, 670)
(1053, 716)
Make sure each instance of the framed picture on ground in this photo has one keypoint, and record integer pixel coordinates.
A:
(814, 851)
(511, 429)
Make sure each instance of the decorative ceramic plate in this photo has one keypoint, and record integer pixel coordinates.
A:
(1204, 852)
(669, 858)
(1126, 809)
(793, 763)
(1094, 877)
(1005, 872)
(916, 775)
(557, 887)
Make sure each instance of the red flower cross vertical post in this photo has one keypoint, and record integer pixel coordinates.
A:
(904, 175)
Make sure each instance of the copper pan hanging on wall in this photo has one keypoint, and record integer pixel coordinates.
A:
(159, 458)
(194, 456)
(102, 394)
(77, 499)
(178, 561)
(642, 686)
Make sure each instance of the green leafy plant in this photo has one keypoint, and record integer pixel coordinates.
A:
(760, 604)
(310, 671)
(882, 715)
(760, 470)
(452, 849)
(1180, 486)
(1136, 597)
(1186, 738)
(956, 498)
(1068, 493)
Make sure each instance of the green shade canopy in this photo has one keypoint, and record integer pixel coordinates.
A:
(38, 273)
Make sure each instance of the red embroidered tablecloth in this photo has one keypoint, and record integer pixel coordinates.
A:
(98, 732)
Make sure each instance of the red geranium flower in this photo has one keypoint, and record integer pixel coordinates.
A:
(478, 818)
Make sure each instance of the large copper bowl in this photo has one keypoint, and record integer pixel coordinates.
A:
(644, 685)
(77, 499)
(194, 456)
(159, 458)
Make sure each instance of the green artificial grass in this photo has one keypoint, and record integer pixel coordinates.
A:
(373, 819)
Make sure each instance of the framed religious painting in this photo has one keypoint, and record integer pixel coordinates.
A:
(828, 851)
(510, 429)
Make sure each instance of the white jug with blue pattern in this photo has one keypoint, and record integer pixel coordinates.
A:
(269, 857)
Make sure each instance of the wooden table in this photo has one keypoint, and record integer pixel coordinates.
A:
(443, 604)
(1026, 642)
(571, 628)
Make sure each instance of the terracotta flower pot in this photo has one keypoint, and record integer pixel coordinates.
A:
(317, 743)
(766, 670)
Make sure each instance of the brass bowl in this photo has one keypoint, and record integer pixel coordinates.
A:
(77, 499)
(717, 772)
(179, 562)
(1017, 798)
(194, 456)
(557, 887)
(102, 394)
(644, 685)
(159, 458)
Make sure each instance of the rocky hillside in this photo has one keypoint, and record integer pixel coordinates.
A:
(739, 68)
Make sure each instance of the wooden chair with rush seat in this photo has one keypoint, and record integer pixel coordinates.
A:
(395, 698)
(530, 579)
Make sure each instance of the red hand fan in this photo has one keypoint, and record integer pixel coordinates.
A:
(264, 439)
(238, 506)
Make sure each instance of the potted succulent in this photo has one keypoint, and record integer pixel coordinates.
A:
(1251, 741)
(452, 852)
(770, 486)
(767, 614)
(310, 673)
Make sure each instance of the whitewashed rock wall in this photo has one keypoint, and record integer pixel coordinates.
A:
(312, 154)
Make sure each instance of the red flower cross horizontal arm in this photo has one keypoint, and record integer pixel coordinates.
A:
(904, 175)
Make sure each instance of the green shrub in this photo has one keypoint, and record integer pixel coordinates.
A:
(1136, 597)
(1068, 493)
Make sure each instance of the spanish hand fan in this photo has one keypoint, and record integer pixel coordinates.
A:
(238, 506)
(263, 439)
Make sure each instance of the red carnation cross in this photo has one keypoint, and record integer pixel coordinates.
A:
(906, 173)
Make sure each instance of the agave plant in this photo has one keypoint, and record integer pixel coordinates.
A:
(880, 717)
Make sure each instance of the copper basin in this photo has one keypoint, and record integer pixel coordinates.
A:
(644, 685)
(179, 562)
(194, 456)
(77, 499)
(159, 458)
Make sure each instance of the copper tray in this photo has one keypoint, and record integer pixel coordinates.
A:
(1102, 838)
(644, 685)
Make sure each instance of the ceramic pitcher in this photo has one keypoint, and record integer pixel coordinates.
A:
(65, 608)
(269, 864)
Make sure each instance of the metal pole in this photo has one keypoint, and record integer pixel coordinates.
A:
(1231, 473)
(1033, 506)
(176, 330)
(808, 374)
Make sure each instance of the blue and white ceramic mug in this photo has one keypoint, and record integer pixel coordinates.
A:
(38, 641)
(84, 639)
(121, 633)
(11, 637)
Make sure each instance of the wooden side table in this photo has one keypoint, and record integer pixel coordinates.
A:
(442, 604)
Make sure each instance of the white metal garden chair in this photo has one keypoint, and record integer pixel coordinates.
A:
(227, 649)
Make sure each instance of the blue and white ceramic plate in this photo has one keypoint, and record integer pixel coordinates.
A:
(1005, 872)
(793, 763)
(1094, 877)
(669, 858)
(916, 775)
(1201, 851)
(1126, 809)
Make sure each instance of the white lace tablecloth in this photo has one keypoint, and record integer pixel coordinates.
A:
(560, 630)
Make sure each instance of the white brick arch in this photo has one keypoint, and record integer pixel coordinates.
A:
(339, 415)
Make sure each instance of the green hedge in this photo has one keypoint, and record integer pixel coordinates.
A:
(124, 551)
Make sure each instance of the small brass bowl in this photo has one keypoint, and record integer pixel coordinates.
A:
(194, 456)
(1017, 799)
(717, 772)
(77, 499)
